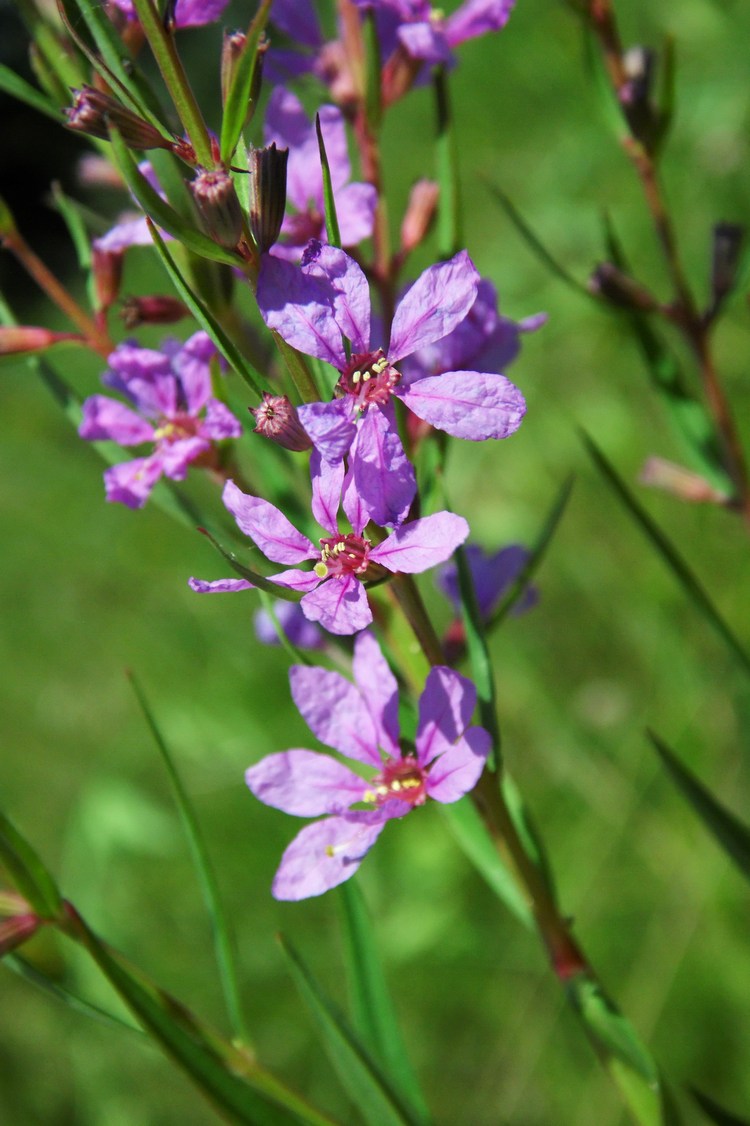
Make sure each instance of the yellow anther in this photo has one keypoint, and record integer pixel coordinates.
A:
(356, 376)
(366, 376)
(330, 850)
(320, 570)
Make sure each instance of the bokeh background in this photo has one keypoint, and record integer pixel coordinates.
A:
(90, 590)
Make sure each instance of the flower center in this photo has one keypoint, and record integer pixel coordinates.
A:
(342, 555)
(177, 427)
(370, 378)
(401, 778)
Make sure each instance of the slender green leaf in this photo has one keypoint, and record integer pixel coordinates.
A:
(252, 576)
(361, 1077)
(674, 561)
(481, 662)
(223, 940)
(239, 95)
(163, 213)
(731, 834)
(296, 655)
(29, 874)
(19, 88)
(299, 369)
(32, 974)
(446, 160)
(535, 244)
(329, 203)
(373, 73)
(627, 1060)
(373, 1013)
(715, 1113)
(206, 318)
(472, 836)
(228, 1076)
(68, 209)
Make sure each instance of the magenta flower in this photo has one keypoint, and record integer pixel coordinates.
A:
(288, 126)
(326, 300)
(493, 573)
(334, 594)
(360, 721)
(187, 13)
(174, 410)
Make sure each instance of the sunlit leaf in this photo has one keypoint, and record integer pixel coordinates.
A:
(35, 977)
(29, 874)
(240, 89)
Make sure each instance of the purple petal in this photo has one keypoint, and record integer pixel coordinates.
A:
(305, 784)
(355, 209)
(422, 544)
(298, 21)
(340, 605)
(439, 300)
(354, 506)
(177, 456)
(219, 586)
(492, 575)
(379, 690)
(426, 42)
(106, 419)
(300, 308)
(325, 854)
(335, 712)
(445, 710)
(294, 625)
(330, 426)
(219, 422)
(457, 771)
(191, 362)
(352, 293)
(383, 475)
(131, 482)
(467, 404)
(267, 527)
(130, 230)
(296, 580)
(288, 126)
(327, 480)
(476, 17)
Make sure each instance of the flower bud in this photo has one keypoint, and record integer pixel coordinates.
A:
(15, 930)
(231, 52)
(93, 111)
(619, 288)
(727, 243)
(680, 482)
(214, 193)
(156, 309)
(420, 214)
(106, 268)
(639, 64)
(17, 339)
(276, 418)
(267, 194)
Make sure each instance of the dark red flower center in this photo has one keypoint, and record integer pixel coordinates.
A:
(177, 427)
(403, 779)
(342, 555)
(370, 378)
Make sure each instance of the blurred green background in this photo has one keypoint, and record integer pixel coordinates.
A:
(89, 590)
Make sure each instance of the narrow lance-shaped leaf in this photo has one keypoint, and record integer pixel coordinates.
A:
(229, 1077)
(481, 663)
(731, 834)
(240, 90)
(73, 220)
(361, 1077)
(666, 549)
(223, 941)
(446, 160)
(715, 1113)
(12, 83)
(34, 976)
(329, 203)
(252, 576)
(372, 1008)
(28, 872)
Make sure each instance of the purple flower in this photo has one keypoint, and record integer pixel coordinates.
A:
(187, 13)
(334, 594)
(132, 228)
(428, 36)
(174, 409)
(360, 721)
(326, 300)
(493, 573)
(288, 126)
(291, 618)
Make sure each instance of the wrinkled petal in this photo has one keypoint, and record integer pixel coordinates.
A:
(131, 482)
(355, 210)
(188, 13)
(191, 362)
(422, 544)
(267, 527)
(383, 475)
(340, 605)
(330, 426)
(335, 712)
(327, 480)
(296, 580)
(299, 306)
(379, 690)
(325, 854)
(305, 784)
(457, 771)
(106, 419)
(350, 288)
(177, 456)
(439, 300)
(219, 422)
(477, 17)
(445, 710)
(467, 404)
(219, 586)
(353, 504)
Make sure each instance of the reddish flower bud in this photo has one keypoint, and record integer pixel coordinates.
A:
(16, 930)
(619, 288)
(420, 214)
(681, 482)
(156, 309)
(276, 418)
(93, 111)
(215, 196)
(17, 339)
(267, 194)
(107, 274)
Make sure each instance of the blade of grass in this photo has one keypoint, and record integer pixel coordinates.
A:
(19, 88)
(223, 941)
(731, 834)
(329, 203)
(666, 549)
(35, 977)
(29, 874)
(716, 1113)
(372, 1007)
(446, 162)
